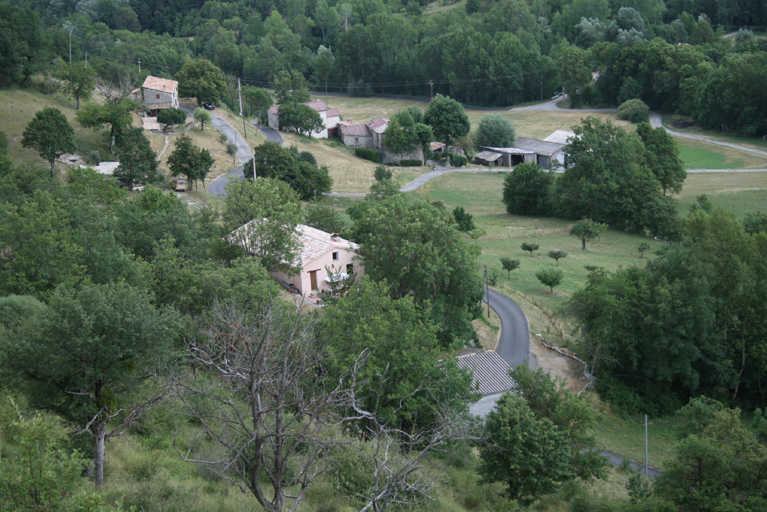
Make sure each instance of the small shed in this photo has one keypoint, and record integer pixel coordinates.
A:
(491, 375)
(512, 156)
(487, 157)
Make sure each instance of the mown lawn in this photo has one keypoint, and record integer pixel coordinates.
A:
(741, 192)
(481, 194)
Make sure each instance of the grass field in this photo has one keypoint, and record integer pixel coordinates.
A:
(741, 192)
(350, 173)
(19, 106)
(480, 195)
(703, 155)
(750, 142)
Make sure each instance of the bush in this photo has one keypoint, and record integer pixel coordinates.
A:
(623, 399)
(635, 111)
(368, 154)
(231, 149)
(223, 138)
(381, 173)
(306, 156)
(410, 163)
(458, 160)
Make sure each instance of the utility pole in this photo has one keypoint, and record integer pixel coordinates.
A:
(254, 166)
(71, 29)
(646, 450)
(239, 93)
(234, 157)
(431, 85)
(487, 293)
(326, 89)
(86, 59)
(139, 65)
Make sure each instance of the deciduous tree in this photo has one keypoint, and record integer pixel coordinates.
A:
(190, 161)
(508, 265)
(276, 210)
(527, 190)
(202, 116)
(115, 112)
(202, 80)
(663, 157)
(447, 119)
(495, 131)
(138, 162)
(50, 134)
(79, 81)
(583, 230)
(529, 455)
(172, 117)
(529, 247)
(557, 255)
(88, 355)
(550, 277)
(414, 246)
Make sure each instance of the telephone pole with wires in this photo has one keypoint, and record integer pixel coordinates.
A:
(139, 65)
(239, 93)
(431, 85)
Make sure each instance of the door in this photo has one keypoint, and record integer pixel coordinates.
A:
(313, 279)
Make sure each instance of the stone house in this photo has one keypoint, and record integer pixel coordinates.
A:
(330, 119)
(370, 135)
(159, 94)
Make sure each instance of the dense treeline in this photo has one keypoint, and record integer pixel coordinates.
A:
(690, 323)
(487, 53)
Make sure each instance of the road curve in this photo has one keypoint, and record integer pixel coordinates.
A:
(514, 340)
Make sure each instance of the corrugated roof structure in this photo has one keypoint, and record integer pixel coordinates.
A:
(510, 151)
(488, 156)
(491, 372)
(560, 136)
(314, 242)
(160, 84)
(538, 147)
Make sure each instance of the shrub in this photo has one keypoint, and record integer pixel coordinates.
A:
(231, 149)
(306, 156)
(368, 154)
(458, 160)
(381, 173)
(635, 111)
(223, 138)
(410, 163)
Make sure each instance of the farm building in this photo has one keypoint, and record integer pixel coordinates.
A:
(159, 94)
(491, 375)
(546, 153)
(330, 119)
(370, 135)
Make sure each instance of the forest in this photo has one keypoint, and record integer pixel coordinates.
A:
(147, 362)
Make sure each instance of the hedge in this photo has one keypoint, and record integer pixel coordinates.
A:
(368, 154)
(458, 160)
(410, 163)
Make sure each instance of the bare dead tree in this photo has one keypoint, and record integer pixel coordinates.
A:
(266, 404)
(397, 460)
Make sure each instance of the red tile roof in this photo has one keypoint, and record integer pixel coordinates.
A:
(160, 84)
(333, 112)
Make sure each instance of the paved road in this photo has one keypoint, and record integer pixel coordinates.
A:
(217, 188)
(514, 341)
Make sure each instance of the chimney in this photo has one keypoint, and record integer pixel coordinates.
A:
(334, 236)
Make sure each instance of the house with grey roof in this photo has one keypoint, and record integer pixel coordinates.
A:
(491, 376)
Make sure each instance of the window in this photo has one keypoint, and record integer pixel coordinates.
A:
(356, 140)
(350, 268)
(158, 96)
(335, 256)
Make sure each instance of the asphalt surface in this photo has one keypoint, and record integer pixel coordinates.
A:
(514, 341)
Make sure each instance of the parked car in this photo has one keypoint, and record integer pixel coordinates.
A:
(209, 106)
(135, 188)
(178, 184)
